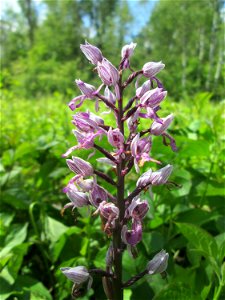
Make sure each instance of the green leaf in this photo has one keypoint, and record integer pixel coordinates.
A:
(54, 229)
(10, 175)
(6, 288)
(6, 218)
(197, 216)
(142, 291)
(223, 273)
(220, 240)
(58, 246)
(153, 241)
(100, 258)
(84, 246)
(16, 198)
(193, 256)
(37, 290)
(205, 291)
(16, 237)
(212, 188)
(25, 149)
(196, 148)
(8, 157)
(58, 173)
(127, 294)
(16, 260)
(199, 239)
(176, 291)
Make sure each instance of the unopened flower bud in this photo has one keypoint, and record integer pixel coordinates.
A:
(157, 128)
(153, 98)
(109, 95)
(107, 72)
(78, 275)
(150, 69)
(93, 54)
(161, 176)
(126, 53)
(143, 89)
(80, 166)
(159, 263)
(155, 178)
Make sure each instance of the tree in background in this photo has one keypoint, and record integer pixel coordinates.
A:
(188, 35)
(29, 12)
(40, 46)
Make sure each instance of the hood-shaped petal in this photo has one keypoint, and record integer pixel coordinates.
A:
(92, 53)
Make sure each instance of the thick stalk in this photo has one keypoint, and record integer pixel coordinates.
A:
(117, 243)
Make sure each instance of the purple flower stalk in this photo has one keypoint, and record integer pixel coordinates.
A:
(122, 215)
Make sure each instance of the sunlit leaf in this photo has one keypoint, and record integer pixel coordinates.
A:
(16, 237)
(199, 239)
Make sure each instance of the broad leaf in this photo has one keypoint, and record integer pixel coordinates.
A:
(199, 239)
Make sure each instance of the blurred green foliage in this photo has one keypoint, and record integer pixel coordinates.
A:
(40, 61)
(187, 221)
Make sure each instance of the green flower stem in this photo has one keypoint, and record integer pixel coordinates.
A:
(218, 292)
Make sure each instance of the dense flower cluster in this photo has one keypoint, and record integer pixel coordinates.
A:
(124, 213)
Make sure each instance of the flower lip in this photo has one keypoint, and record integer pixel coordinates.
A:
(133, 236)
(137, 209)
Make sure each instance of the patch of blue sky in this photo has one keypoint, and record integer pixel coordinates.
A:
(139, 9)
